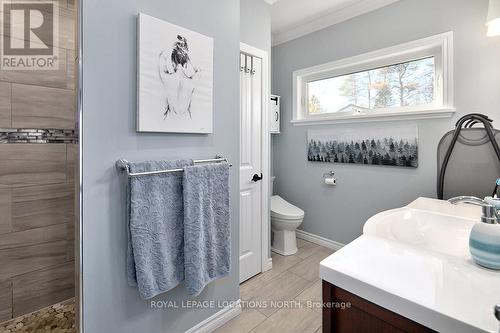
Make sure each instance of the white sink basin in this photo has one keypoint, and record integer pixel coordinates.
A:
(415, 261)
(429, 224)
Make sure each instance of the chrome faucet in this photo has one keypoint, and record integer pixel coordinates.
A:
(490, 215)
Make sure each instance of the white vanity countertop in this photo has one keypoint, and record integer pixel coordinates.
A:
(444, 293)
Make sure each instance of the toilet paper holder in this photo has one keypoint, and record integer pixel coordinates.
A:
(328, 174)
(329, 178)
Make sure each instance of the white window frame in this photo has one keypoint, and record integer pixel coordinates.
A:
(439, 46)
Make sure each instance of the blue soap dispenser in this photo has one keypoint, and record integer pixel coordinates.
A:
(484, 242)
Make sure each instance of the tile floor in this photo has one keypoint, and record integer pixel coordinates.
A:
(283, 299)
(58, 318)
(293, 280)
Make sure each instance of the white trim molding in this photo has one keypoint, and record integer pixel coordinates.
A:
(307, 236)
(356, 9)
(439, 46)
(378, 116)
(218, 319)
(268, 265)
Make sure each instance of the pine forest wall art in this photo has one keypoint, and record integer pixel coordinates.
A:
(388, 146)
(175, 78)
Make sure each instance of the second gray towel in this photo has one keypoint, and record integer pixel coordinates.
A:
(207, 233)
(155, 256)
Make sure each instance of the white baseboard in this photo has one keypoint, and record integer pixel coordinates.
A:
(218, 319)
(267, 265)
(307, 236)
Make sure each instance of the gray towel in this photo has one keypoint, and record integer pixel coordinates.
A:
(207, 232)
(155, 256)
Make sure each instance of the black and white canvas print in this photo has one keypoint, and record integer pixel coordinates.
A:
(390, 146)
(175, 78)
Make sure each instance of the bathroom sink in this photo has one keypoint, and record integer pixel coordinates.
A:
(429, 224)
(415, 261)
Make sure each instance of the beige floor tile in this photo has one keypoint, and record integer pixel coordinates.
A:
(311, 293)
(249, 288)
(303, 243)
(245, 322)
(280, 264)
(293, 279)
(308, 250)
(285, 287)
(312, 296)
(291, 321)
(309, 267)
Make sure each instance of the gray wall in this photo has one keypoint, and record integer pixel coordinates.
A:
(255, 16)
(339, 213)
(109, 75)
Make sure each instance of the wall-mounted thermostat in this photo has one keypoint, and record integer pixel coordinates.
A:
(274, 114)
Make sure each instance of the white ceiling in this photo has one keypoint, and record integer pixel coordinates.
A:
(295, 18)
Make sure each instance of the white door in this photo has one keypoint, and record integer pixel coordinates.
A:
(251, 166)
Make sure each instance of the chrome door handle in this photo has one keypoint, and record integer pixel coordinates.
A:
(256, 177)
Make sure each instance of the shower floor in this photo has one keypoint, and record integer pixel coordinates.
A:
(58, 318)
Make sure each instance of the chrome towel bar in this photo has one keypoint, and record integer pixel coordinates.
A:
(123, 165)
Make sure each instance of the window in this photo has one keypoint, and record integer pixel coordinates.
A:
(409, 80)
(407, 84)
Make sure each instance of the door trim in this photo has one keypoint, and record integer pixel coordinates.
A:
(266, 261)
(78, 248)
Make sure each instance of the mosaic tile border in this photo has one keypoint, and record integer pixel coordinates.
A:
(32, 135)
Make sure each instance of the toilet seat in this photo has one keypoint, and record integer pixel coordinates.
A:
(284, 210)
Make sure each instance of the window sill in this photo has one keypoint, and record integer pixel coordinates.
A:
(375, 117)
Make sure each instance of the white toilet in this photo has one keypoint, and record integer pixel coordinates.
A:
(285, 219)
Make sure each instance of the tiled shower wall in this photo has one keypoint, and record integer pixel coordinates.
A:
(37, 181)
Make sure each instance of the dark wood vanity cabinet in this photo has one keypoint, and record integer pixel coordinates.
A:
(359, 315)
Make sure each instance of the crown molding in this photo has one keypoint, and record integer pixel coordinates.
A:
(344, 14)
